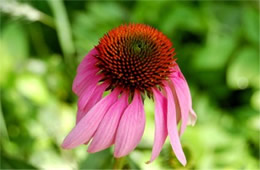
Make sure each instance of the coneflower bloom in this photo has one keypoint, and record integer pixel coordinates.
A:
(131, 62)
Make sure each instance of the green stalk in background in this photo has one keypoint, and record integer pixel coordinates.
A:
(3, 129)
(63, 29)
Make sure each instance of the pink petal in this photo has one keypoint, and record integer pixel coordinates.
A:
(131, 127)
(178, 109)
(192, 118)
(95, 97)
(172, 127)
(87, 126)
(88, 92)
(177, 74)
(160, 123)
(182, 101)
(105, 135)
(86, 70)
(88, 61)
(82, 79)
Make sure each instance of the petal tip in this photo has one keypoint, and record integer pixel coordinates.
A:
(182, 159)
(148, 162)
(117, 155)
(183, 162)
(91, 150)
(65, 145)
(94, 149)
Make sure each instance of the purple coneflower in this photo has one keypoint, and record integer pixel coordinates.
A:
(131, 61)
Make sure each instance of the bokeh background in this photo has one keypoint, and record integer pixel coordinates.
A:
(217, 46)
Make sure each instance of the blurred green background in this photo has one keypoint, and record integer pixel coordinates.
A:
(217, 46)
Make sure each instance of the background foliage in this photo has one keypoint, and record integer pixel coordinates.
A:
(217, 45)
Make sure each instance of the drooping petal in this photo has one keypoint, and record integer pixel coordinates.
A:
(192, 117)
(178, 109)
(172, 127)
(85, 71)
(182, 101)
(87, 126)
(88, 92)
(160, 123)
(82, 80)
(177, 74)
(105, 135)
(88, 61)
(95, 97)
(131, 127)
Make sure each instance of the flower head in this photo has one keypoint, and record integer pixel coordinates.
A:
(130, 61)
(135, 57)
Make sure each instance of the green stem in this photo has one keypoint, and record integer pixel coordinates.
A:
(47, 20)
(119, 163)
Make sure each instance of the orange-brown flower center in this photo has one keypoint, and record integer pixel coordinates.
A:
(135, 56)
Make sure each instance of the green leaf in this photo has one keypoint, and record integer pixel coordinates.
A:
(33, 88)
(18, 45)
(6, 64)
(14, 163)
(174, 18)
(255, 100)
(251, 24)
(215, 54)
(99, 160)
(90, 25)
(244, 69)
